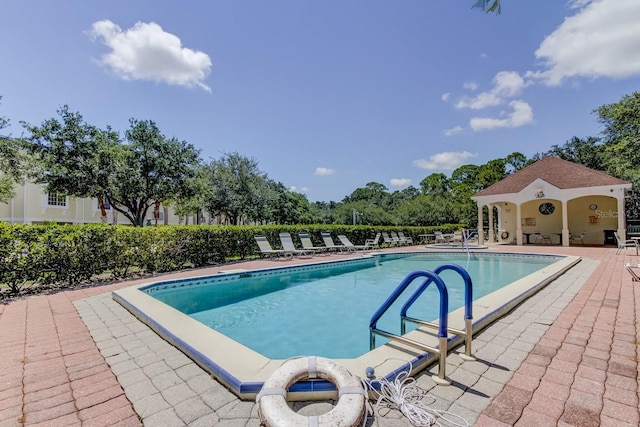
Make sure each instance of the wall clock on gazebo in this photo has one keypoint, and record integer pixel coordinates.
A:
(546, 208)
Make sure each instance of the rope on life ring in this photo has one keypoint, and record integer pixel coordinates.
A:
(504, 235)
(272, 399)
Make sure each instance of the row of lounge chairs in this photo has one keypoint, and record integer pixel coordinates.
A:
(345, 246)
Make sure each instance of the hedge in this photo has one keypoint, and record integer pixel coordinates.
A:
(35, 257)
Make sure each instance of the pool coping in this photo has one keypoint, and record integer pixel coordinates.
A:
(244, 371)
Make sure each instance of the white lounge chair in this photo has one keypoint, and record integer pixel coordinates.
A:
(387, 239)
(267, 250)
(350, 246)
(329, 243)
(307, 244)
(403, 238)
(290, 248)
(396, 239)
(439, 237)
(375, 242)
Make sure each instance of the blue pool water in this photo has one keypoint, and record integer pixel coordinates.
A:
(325, 309)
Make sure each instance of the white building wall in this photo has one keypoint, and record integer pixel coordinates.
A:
(30, 205)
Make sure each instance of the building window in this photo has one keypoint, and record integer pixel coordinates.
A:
(55, 199)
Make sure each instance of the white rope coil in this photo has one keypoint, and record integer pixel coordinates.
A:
(404, 395)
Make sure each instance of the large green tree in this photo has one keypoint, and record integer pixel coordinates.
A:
(12, 162)
(234, 186)
(621, 140)
(588, 152)
(78, 159)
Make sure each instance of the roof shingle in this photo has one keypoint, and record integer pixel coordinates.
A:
(554, 170)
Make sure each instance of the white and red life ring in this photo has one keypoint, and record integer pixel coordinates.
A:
(272, 399)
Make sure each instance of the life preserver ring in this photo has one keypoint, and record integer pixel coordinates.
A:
(504, 235)
(272, 399)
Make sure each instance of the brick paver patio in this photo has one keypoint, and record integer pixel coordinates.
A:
(568, 356)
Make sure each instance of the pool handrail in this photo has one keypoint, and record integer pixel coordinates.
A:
(441, 351)
(468, 308)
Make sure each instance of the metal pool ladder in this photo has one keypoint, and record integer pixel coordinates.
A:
(442, 324)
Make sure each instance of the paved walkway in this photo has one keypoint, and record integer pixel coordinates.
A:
(567, 356)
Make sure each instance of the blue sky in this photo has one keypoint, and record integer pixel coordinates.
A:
(327, 95)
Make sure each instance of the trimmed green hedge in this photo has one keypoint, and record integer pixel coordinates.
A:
(51, 255)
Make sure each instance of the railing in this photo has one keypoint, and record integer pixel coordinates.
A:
(441, 351)
(467, 334)
(442, 324)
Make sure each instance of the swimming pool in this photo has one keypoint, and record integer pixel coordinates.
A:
(326, 311)
(243, 370)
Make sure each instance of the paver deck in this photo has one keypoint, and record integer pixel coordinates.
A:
(567, 356)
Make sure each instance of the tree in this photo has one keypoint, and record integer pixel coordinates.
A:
(290, 207)
(234, 183)
(436, 184)
(588, 152)
(12, 162)
(71, 156)
(78, 159)
(373, 192)
(621, 136)
(621, 139)
(488, 6)
(515, 161)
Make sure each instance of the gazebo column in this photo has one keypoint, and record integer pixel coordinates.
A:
(565, 224)
(622, 228)
(480, 225)
(492, 236)
(519, 240)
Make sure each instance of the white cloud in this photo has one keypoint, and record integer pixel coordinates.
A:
(445, 96)
(324, 171)
(506, 84)
(444, 161)
(600, 40)
(147, 52)
(521, 115)
(453, 131)
(295, 189)
(471, 86)
(400, 182)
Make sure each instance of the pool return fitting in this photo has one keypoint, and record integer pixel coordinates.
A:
(442, 324)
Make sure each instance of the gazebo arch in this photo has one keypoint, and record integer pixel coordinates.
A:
(554, 197)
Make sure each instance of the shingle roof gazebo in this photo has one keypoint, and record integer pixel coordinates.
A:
(555, 198)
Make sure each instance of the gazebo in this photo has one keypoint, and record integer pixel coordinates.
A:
(554, 199)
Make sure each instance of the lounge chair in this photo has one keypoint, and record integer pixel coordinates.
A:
(290, 248)
(267, 250)
(350, 246)
(375, 242)
(396, 239)
(403, 238)
(458, 237)
(329, 243)
(307, 244)
(623, 244)
(634, 275)
(387, 239)
(439, 237)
